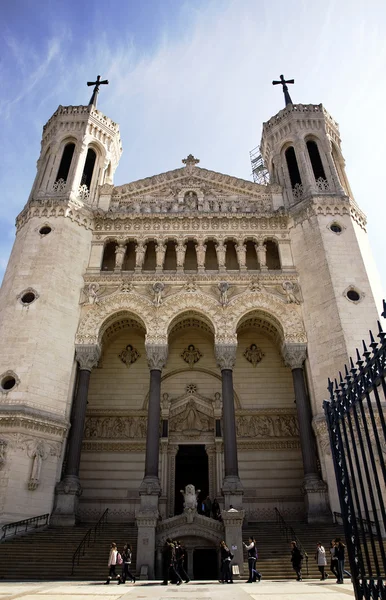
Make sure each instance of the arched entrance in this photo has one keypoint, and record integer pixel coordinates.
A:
(191, 465)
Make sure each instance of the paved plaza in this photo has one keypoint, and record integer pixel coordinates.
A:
(205, 590)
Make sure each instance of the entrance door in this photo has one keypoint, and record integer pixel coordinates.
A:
(205, 563)
(191, 468)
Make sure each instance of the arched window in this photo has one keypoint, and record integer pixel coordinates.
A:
(190, 257)
(231, 261)
(88, 168)
(292, 165)
(211, 262)
(108, 261)
(316, 161)
(129, 259)
(150, 257)
(170, 262)
(272, 256)
(65, 163)
(251, 256)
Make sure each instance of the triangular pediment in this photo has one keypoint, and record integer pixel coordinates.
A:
(191, 414)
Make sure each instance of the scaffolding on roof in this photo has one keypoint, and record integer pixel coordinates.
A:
(259, 172)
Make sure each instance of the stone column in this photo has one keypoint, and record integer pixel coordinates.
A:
(305, 167)
(119, 256)
(233, 524)
(261, 252)
(69, 489)
(315, 490)
(232, 488)
(150, 489)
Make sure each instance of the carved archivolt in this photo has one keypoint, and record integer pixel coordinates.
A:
(157, 320)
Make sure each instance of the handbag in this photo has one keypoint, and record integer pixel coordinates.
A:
(119, 559)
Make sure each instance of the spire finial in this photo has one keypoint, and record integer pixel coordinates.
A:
(97, 83)
(283, 82)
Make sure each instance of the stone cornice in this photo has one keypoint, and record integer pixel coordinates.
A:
(334, 205)
(23, 418)
(50, 208)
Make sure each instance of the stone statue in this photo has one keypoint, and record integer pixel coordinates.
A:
(190, 495)
(223, 286)
(140, 252)
(191, 355)
(37, 459)
(253, 354)
(92, 293)
(158, 289)
(129, 355)
(200, 253)
(289, 289)
(180, 254)
(190, 200)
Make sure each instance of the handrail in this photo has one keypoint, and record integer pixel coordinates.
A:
(365, 522)
(86, 541)
(287, 529)
(31, 523)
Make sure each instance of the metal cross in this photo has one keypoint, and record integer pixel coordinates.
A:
(97, 83)
(283, 82)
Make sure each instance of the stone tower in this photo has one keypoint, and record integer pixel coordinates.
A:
(301, 147)
(39, 303)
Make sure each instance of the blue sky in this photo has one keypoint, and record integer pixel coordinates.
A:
(195, 77)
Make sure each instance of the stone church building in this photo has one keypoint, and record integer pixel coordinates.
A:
(178, 329)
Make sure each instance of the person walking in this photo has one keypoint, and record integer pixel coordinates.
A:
(168, 563)
(334, 560)
(252, 558)
(180, 560)
(320, 557)
(226, 557)
(126, 557)
(340, 553)
(114, 560)
(297, 560)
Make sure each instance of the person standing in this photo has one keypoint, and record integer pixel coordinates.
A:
(226, 557)
(113, 562)
(168, 563)
(126, 557)
(320, 557)
(297, 560)
(208, 506)
(334, 560)
(180, 559)
(216, 512)
(339, 553)
(252, 558)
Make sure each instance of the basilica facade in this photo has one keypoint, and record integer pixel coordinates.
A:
(178, 329)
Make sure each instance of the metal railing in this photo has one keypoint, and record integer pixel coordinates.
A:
(19, 527)
(290, 534)
(361, 523)
(86, 541)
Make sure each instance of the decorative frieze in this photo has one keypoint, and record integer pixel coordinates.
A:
(253, 354)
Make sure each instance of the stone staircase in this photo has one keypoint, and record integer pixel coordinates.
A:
(48, 554)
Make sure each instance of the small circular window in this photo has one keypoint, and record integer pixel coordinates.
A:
(336, 228)
(28, 298)
(353, 295)
(8, 381)
(45, 230)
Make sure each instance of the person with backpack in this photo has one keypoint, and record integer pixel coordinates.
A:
(252, 558)
(114, 560)
(226, 558)
(297, 560)
(126, 557)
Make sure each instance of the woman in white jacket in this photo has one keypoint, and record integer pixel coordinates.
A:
(113, 562)
(320, 557)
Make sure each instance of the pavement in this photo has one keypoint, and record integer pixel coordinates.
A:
(200, 590)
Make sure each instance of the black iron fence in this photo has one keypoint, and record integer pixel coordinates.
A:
(89, 538)
(26, 525)
(290, 535)
(355, 417)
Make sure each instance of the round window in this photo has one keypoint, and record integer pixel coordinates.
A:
(8, 382)
(336, 228)
(28, 297)
(45, 230)
(353, 295)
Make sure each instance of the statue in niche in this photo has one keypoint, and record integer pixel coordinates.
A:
(217, 400)
(223, 286)
(290, 291)
(158, 288)
(190, 201)
(38, 456)
(129, 355)
(253, 354)
(191, 355)
(190, 495)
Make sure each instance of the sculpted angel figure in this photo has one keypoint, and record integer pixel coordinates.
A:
(191, 355)
(190, 495)
(158, 289)
(289, 289)
(92, 293)
(253, 354)
(129, 355)
(223, 286)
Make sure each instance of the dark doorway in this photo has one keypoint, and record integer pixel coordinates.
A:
(205, 564)
(191, 467)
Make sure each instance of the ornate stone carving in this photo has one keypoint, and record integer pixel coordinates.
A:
(119, 256)
(115, 428)
(190, 495)
(59, 186)
(156, 356)
(191, 355)
(87, 356)
(158, 288)
(290, 290)
(294, 355)
(3, 450)
(38, 454)
(190, 161)
(223, 286)
(225, 355)
(191, 421)
(253, 354)
(266, 426)
(129, 355)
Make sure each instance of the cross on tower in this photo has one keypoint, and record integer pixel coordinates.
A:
(283, 82)
(97, 83)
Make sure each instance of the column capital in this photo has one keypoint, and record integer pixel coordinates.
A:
(157, 355)
(294, 355)
(226, 355)
(87, 356)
